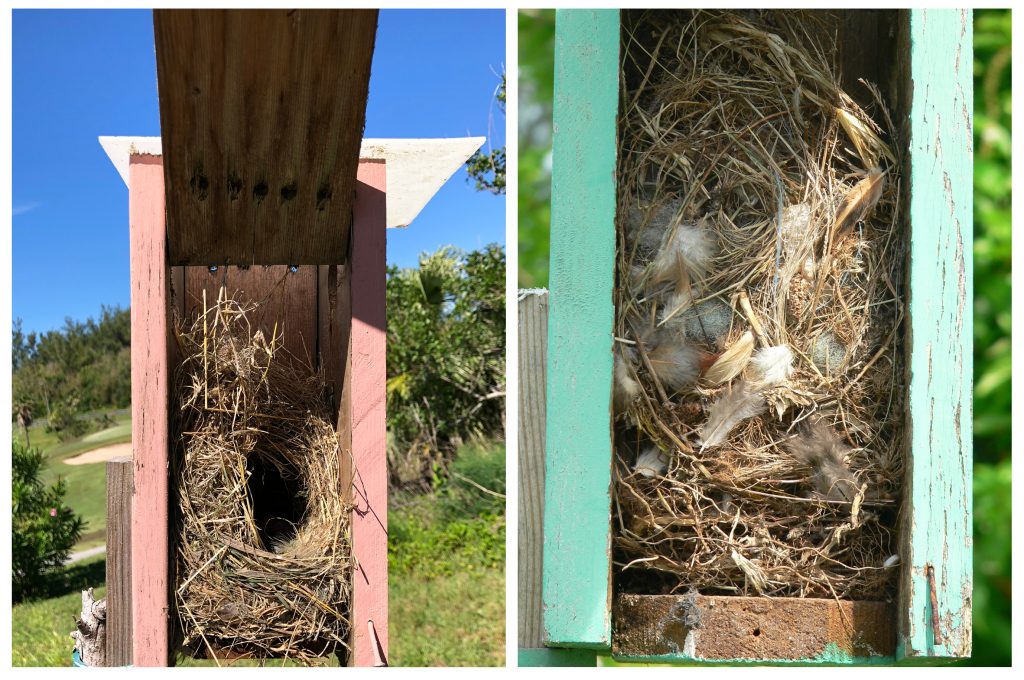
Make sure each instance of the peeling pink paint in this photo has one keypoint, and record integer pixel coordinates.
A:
(150, 378)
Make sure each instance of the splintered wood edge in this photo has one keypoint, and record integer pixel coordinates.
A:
(753, 629)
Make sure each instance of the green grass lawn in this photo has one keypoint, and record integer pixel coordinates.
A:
(86, 484)
(446, 582)
(456, 620)
(447, 567)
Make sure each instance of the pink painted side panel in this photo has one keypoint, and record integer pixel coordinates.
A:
(150, 377)
(370, 516)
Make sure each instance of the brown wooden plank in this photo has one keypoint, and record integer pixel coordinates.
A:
(286, 298)
(334, 318)
(119, 561)
(724, 628)
(262, 115)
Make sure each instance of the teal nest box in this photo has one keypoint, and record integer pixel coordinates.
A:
(759, 364)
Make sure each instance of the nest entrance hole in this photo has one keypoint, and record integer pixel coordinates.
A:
(278, 497)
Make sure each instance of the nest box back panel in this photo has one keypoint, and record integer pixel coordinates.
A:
(262, 115)
(286, 297)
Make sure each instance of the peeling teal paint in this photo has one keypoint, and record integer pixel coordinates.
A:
(937, 528)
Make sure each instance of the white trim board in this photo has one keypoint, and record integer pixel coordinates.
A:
(416, 168)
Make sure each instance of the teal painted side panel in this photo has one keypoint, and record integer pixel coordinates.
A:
(574, 658)
(937, 571)
(577, 510)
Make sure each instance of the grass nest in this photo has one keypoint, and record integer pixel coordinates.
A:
(250, 584)
(759, 309)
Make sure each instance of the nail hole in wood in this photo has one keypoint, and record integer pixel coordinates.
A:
(756, 632)
(200, 186)
(260, 191)
(323, 195)
(234, 187)
(289, 191)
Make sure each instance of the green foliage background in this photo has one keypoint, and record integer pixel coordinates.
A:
(80, 367)
(992, 297)
(536, 85)
(446, 359)
(992, 349)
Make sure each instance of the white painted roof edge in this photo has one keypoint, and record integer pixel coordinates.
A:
(416, 168)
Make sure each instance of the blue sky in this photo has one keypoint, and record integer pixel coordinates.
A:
(81, 74)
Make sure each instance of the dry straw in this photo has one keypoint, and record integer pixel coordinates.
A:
(736, 138)
(282, 590)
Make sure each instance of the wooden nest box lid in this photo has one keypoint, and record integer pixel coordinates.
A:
(262, 115)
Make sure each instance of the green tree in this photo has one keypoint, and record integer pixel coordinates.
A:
(43, 529)
(446, 358)
(90, 361)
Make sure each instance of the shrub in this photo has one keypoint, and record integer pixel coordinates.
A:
(43, 528)
(65, 421)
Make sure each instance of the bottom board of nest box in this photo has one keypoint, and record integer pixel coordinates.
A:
(723, 629)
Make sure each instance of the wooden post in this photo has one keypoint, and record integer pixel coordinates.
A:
(577, 510)
(150, 389)
(367, 402)
(533, 359)
(119, 561)
(533, 356)
(936, 541)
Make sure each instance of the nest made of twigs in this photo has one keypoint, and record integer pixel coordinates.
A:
(738, 127)
(246, 586)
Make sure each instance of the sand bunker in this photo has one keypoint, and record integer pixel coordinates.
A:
(101, 454)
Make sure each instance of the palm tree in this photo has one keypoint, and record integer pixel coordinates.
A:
(25, 419)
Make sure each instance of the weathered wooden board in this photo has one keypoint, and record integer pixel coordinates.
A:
(287, 298)
(334, 314)
(936, 536)
(262, 114)
(533, 337)
(577, 538)
(533, 333)
(119, 561)
(730, 629)
(366, 377)
(151, 378)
